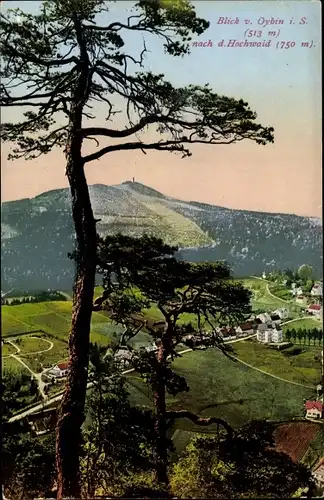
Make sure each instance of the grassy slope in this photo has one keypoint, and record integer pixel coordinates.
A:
(262, 300)
(222, 388)
(52, 317)
(308, 323)
(301, 368)
(177, 228)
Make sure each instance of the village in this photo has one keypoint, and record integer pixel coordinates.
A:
(264, 328)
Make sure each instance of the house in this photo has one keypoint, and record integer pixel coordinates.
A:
(264, 317)
(43, 421)
(277, 335)
(314, 409)
(282, 312)
(244, 329)
(263, 333)
(226, 332)
(301, 299)
(275, 318)
(314, 309)
(124, 357)
(317, 290)
(318, 473)
(60, 370)
(269, 333)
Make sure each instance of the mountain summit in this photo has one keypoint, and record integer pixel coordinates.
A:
(38, 233)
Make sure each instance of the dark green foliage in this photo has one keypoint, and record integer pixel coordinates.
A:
(29, 465)
(249, 467)
(304, 334)
(18, 389)
(118, 438)
(28, 462)
(37, 297)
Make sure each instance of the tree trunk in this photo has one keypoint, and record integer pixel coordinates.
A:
(68, 437)
(71, 415)
(159, 393)
(161, 452)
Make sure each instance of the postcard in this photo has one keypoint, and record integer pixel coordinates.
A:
(162, 249)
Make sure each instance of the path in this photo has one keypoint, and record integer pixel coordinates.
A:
(273, 376)
(29, 352)
(13, 345)
(44, 350)
(296, 319)
(37, 376)
(276, 297)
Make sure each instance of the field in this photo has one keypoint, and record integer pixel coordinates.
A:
(300, 368)
(294, 438)
(218, 386)
(223, 388)
(53, 318)
(263, 300)
(307, 323)
(280, 291)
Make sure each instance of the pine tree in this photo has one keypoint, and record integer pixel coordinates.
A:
(149, 273)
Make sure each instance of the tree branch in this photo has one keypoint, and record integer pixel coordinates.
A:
(201, 421)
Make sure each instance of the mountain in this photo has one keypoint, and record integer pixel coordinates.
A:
(38, 233)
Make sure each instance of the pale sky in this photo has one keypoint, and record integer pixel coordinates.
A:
(283, 86)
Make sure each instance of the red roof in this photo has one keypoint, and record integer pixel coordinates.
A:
(63, 366)
(315, 307)
(246, 326)
(310, 405)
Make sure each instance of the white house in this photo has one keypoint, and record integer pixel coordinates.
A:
(268, 334)
(300, 299)
(277, 335)
(314, 409)
(60, 370)
(151, 347)
(123, 356)
(264, 317)
(282, 312)
(244, 329)
(314, 309)
(317, 290)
